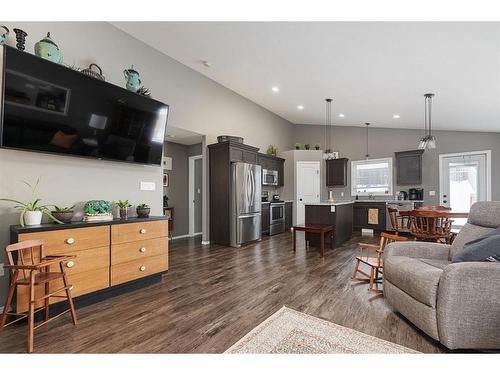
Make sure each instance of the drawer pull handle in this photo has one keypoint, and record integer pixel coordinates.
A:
(70, 264)
(142, 249)
(70, 241)
(142, 231)
(142, 268)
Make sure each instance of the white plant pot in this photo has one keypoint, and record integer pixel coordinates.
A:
(32, 217)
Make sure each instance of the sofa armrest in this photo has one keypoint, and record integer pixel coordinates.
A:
(414, 249)
(468, 306)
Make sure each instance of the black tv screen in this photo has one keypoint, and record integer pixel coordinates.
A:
(50, 108)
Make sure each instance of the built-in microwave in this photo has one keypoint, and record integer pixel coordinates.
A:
(269, 177)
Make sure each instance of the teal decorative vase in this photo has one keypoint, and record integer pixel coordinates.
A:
(4, 33)
(133, 79)
(48, 50)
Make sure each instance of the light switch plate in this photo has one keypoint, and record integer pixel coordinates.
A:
(332, 208)
(150, 186)
(341, 193)
(432, 193)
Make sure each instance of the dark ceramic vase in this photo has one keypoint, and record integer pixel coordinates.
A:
(65, 217)
(143, 212)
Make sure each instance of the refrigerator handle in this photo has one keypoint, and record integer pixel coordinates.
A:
(252, 192)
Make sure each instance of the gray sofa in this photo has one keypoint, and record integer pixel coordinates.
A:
(457, 304)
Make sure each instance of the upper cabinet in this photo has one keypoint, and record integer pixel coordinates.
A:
(273, 163)
(409, 167)
(336, 172)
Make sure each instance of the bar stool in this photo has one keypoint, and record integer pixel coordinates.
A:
(32, 269)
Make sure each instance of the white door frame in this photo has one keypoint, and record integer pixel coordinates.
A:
(468, 153)
(191, 160)
(298, 163)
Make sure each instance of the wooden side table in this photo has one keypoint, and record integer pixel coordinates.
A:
(322, 229)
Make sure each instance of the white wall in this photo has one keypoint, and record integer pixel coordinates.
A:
(197, 103)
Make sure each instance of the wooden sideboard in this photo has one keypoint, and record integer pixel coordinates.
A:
(108, 254)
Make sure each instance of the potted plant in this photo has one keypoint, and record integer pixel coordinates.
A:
(298, 146)
(272, 150)
(123, 205)
(317, 146)
(64, 214)
(31, 212)
(307, 146)
(143, 210)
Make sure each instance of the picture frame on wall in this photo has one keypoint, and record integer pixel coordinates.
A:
(166, 179)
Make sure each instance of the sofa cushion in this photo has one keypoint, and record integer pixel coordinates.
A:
(438, 263)
(485, 214)
(468, 233)
(480, 249)
(415, 277)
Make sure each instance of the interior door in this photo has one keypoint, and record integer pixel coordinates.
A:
(464, 179)
(308, 186)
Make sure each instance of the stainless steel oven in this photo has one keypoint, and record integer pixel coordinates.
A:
(269, 177)
(276, 217)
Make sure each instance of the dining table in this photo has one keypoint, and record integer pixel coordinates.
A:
(433, 219)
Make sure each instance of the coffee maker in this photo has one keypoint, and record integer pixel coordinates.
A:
(416, 194)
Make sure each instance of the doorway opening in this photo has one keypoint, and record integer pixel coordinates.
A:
(464, 178)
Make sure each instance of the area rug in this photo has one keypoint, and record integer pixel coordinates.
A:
(290, 331)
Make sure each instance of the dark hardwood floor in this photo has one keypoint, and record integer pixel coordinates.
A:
(212, 296)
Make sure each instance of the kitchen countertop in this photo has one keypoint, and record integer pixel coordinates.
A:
(328, 203)
(285, 201)
(340, 202)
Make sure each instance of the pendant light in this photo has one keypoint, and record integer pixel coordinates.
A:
(428, 141)
(328, 154)
(367, 155)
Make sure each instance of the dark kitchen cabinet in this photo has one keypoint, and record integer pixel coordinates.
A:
(220, 157)
(288, 215)
(360, 215)
(265, 218)
(336, 172)
(273, 163)
(409, 167)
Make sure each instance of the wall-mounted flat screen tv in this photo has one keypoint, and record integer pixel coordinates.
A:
(51, 108)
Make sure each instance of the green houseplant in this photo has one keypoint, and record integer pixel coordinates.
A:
(64, 214)
(272, 150)
(307, 146)
(298, 146)
(31, 212)
(317, 146)
(123, 205)
(143, 210)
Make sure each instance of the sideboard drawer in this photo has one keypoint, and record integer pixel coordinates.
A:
(136, 269)
(121, 233)
(83, 283)
(66, 241)
(126, 252)
(84, 261)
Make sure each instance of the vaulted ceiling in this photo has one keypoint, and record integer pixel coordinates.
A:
(372, 70)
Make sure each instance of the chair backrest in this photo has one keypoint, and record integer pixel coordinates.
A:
(434, 208)
(483, 218)
(393, 213)
(386, 238)
(25, 253)
(429, 223)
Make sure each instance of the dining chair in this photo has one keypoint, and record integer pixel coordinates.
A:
(430, 226)
(29, 268)
(371, 255)
(400, 220)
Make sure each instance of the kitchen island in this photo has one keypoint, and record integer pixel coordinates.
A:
(339, 214)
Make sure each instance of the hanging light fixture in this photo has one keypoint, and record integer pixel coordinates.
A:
(367, 155)
(328, 154)
(428, 141)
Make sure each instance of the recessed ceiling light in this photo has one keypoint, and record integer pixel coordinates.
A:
(300, 107)
(396, 116)
(341, 115)
(206, 63)
(275, 88)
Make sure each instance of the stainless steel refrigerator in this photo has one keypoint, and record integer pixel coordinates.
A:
(246, 187)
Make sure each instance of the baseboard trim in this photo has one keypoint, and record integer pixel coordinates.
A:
(186, 236)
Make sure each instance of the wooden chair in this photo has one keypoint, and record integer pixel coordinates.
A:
(431, 226)
(400, 220)
(28, 267)
(434, 208)
(373, 260)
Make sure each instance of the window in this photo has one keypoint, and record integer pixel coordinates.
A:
(372, 176)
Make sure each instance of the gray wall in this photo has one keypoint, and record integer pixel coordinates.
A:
(350, 142)
(177, 191)
(197, 103)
